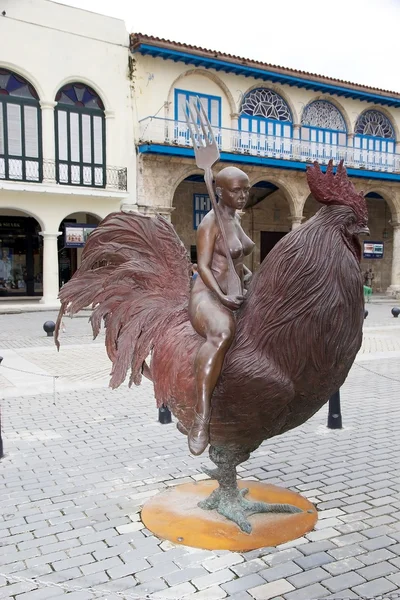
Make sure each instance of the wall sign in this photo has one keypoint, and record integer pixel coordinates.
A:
(373, 249)
(76, 234)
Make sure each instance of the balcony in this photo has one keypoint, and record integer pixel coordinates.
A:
(168, 133)
(74, 174)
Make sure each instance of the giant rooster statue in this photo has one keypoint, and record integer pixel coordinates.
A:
(297, 331)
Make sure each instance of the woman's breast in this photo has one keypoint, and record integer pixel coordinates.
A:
(235, 246)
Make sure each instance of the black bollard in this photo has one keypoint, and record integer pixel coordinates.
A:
(1, 439)
(164, 415)
(334, 414)
(49, 328)
(365, 313)
(395, 311)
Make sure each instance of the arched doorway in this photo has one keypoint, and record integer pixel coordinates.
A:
(191, 203)
(266, 219)
(21, 255)
(75, 229)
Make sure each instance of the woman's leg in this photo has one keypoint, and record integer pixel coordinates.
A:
(218, 325)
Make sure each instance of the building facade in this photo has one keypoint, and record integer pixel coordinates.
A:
(67, 156)
(271, 122)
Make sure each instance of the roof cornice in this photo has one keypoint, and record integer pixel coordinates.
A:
(209, 59)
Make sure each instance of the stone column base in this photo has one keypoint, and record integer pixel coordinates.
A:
(393, 291)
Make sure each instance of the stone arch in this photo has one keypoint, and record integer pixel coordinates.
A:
(82, 210)
(204, 73)
(184, 174)
(24, 213)
(86, 81)
(336, 104)
(283, 186)
(386, 113)
(386, 194)
(278, 90)
(26, 75)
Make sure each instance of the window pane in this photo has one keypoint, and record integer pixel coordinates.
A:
(305, 134)
(74, 133)
(98, 140)
(181, 100)
(313, 135)
(287, 131)
(62, 135)
(215, 120)
(86, 139)
(342, 139)
(14, 129)
(390, 147)
(31, 131)
(1, 130)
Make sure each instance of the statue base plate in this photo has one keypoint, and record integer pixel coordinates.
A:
(174, 515)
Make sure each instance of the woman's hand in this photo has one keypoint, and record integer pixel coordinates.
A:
(232, 302)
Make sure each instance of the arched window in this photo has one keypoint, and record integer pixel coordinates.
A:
(323, 123)
(265, 112)
(374, 131)
(20, 129)
(80, 136)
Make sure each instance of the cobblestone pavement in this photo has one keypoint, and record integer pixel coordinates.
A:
(80, 462)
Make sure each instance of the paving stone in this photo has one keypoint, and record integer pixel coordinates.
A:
(343, 566)
(271, 590)
(382, 541)
(376, 556)
(212, 579)
(280, 571)
(375, 588)
(308, 577)
(174, 592)
(314, 560)
(243, 583)
(341, 582)
(215, 593)
(187, 574)
(380, 569)
(311, 592)
(215, 564)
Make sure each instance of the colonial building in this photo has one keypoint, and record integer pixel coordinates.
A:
(66, 147)
(269, 121)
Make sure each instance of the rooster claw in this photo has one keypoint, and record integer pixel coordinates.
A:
(236, 508)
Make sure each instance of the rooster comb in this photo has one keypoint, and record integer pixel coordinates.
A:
(336, 188)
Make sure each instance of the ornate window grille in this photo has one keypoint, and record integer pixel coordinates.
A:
(264, 112)
(374, 132)
(80, 136)
(322, 122)
(20, 129)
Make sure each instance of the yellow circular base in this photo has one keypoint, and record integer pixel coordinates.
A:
(174, 515)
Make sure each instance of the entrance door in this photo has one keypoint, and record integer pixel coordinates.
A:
(268, 241)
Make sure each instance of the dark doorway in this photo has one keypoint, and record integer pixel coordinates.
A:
(268, 240)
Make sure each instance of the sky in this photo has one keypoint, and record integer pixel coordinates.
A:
(352, 40)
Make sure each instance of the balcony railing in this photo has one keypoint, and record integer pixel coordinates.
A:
(48, 171)
(155, 130)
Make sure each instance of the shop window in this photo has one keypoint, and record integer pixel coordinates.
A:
(80, 136)
(20, 129)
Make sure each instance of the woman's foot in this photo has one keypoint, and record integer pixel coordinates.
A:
(198, 438)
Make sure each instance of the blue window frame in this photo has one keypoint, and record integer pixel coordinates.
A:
(201, 206)
(211, 105)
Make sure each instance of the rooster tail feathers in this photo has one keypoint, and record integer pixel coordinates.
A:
(134, 274)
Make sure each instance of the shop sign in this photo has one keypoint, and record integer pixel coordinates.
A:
(10, 225)
(373, 249)
(76, 234)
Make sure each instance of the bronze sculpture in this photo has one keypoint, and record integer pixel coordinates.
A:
(288, 349)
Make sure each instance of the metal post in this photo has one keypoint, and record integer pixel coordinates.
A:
(164, 415)
(334, 414)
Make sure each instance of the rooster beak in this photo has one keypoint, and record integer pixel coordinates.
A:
(363, 231)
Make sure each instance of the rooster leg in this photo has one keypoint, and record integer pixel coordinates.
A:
(227, 499)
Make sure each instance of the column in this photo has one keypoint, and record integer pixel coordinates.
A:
(50, 268)
(48, 141)
(394, 288)
(296, 221)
